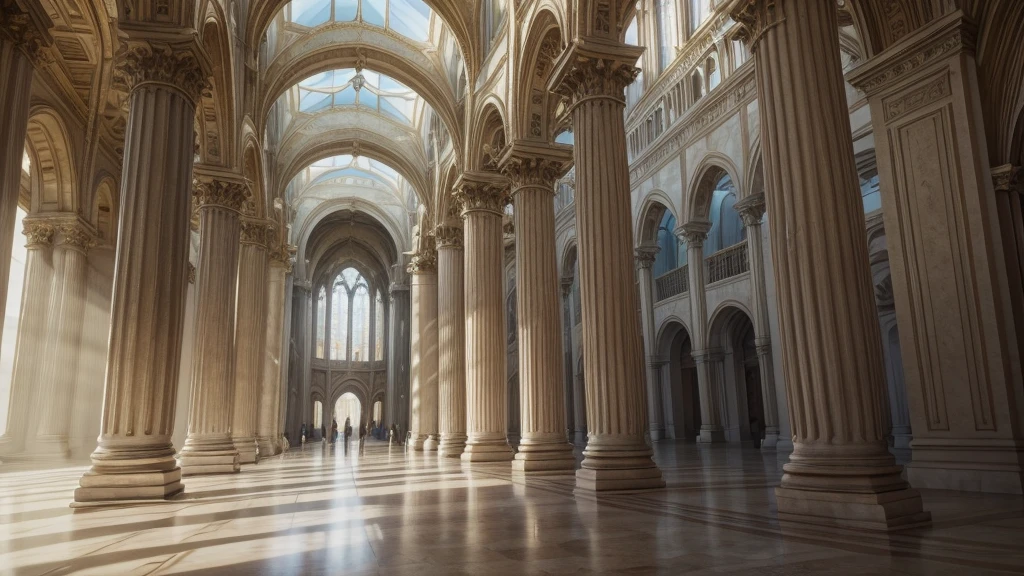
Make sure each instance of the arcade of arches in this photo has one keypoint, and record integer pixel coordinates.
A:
(586, 278)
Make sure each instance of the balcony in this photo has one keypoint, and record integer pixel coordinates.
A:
(728, 262)
(672, 283)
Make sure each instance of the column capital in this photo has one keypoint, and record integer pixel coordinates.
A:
(595, 68)
(566, 285)
(304, 285)
(393, 288)
(75, 234)
(755, 17)
(38, 233)
(535, 166)
(26, 24)
(449, 235)
(1007, 178)
(423, 262)
(694, 233)
(751, 209)
(173, 58)
(481, 192)
(218, 190)
(256, 232)
(282, 255)
(645, 256)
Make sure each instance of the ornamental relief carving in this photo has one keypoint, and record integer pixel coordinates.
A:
(918, 98)
(481, 197)
(38, 233)
(75, 235)
(423, 262)
(596, 77)
(533, 172)
(20, 28)
(214, 192)
(956, 40)
(174, 66)
(256, 233)
(448, 236)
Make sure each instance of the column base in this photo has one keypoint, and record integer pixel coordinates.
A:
(544, 457)
(617, 463)
(894, 510)
(267, 446)
(487, 451)
(657, 434)
(124, 474)
(208, 456)
(711, 435)
(982, 465)
(10, 445)
(47, 448)
(770, 442)
(416, 441)
(246, 448)
(430, 444)
(452, 445)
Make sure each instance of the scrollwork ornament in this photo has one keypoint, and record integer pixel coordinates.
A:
(481, 197)
(38, 234)
(532, 172)
(75, 236)
(423, 262)
(596, 78)
(177, 67)
(214, 192)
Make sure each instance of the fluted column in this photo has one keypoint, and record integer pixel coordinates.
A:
(250, 338)
(840, 472)
(533, 170)
(592, 76)
(423, 350)
(24, 37)
(645, 256)
(208, 447)
(451, 340)
(51, 416)
(481, 198)
(270, 394)
(134, 458)
(751, 210)
(708, 374)
(30, 350)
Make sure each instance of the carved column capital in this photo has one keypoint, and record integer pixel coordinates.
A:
(449, 236)
(481, 193)
(255, 232)
(595, 69)
(282, 256)
(38, 233)
(179, 64)
(754, 17)
(74, 234)
(24, 23)
(751, 209)
(694, 233)
(535, 166)
(423, 262)
(213, 191)
(645, 256)
(1006, 178)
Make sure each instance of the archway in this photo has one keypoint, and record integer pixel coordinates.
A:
(680, 393)
(318, 420)
(348, 410)
(732, 333)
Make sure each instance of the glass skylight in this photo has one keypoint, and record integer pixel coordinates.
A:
(346, 87)
(410, 18)
(354, 170)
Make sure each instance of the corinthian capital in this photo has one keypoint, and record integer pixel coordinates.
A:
(754, 18)
(595, 68)
(481, 192)
(255, 232)
(210, 190)
(26, 25)
(535, 166)
(448, 236)
(423, 262)
(645, 256)
(75, 235)
(38, 233)
(694, 233)
(751, 209)
(181, 65)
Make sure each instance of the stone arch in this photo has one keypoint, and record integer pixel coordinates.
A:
(104, 212)
(327, 209)
(656, 204)
(754, 175)
(544, 43)
(54, 181)
(489, 137)
(731, 334)
(679, 388)
(357, 388)
(252, 172)
(215, 110)
(712, 168)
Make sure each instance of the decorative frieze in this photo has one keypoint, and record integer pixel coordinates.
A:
(179, 66)
(934, 90)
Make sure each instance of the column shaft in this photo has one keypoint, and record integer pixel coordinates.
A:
(134, 458)
(617, 456)
(451, 341)
(840, 472)
(645, 256)
(208, 447)
(270, 394)
(481, 205)
(423, 351)
(708, 376)
(250, 338)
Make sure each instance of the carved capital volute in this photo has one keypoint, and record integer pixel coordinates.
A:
(535, 167)
(448, 236)
(645, 256)
(751, 209)
(595, 68)
(74, 235)
(423, 262)
(38, 233)
(754, 17)
(255, 232)
(210, 191)
(26, 24)
(694, 233)
(178, 63)
(486, 194)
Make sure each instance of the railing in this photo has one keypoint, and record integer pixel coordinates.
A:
(672, 283)
(728, 262)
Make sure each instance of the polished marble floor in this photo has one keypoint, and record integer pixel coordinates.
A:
(322, 511)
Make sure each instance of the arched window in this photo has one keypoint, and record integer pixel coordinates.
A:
(700, 10)
(361, 324)
(339, 320)
(378, 345)
(667, 36)
(726, 225)
(667, 258)
(494, 15)
(321, 322)
(349, 317)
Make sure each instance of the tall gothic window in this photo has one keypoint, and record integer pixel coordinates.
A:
(726, 225)
(321, 322)
(339, 320)
(378, 334)
(700, 10)
(494, 14)
(349, 317)
(361, 324)
(666, 18)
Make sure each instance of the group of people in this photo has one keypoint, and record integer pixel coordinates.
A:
(373, 428)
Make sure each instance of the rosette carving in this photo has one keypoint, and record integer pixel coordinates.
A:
(176, 66)
(423, 262)
(216, 192)
(448, 236)
(481, 197)
(38, 234)
(590, 77)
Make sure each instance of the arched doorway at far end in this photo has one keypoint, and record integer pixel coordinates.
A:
(348, 408)
(732, 332)
(680, 393)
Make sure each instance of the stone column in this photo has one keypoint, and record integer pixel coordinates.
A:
(708, 376)
(397, 407)
(269, 406)
(533, 170)
(481, 198)
(30, 351)
(250, 338)
(24, 37)
(423, 351)
(840, 471)
(51, 416)
(592, 77)
(208, 447)
(645, 256)
(134, 458)
(751, 210)
(451, 340)
(567, 383)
